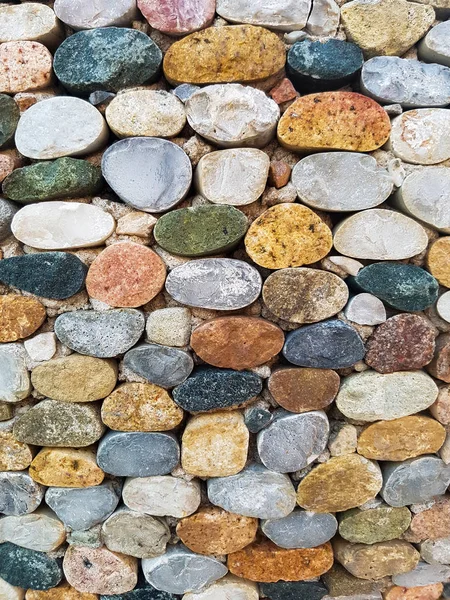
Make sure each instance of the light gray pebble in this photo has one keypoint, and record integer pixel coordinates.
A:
(301, 529)
(436, 551)
(161, 365)
(423, 574)
(19, 494)
(14, 377)
(184, 91)
(7, 211)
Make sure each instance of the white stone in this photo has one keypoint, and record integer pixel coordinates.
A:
(443, 306)
(436, 551)
(41, 347)
(421, 136)
(236, 176)
(40, 530)
(10, 592)
(372, 396)
(294, 36)
(136, 223)
(30, 21)
(232, 115)
(283, 15)
(422, 575)
(227, 588)
(324, 18)
(14, 377)
(365, 309)
(60, 126)
(169, 326)
(435, 46)
(349, 265)
(86, 14)
(341, 181)
(62, 225)
(379, 234)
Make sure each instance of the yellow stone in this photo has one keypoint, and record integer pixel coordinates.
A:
(215, 445)
(66, 467)
(140, 407)
(288, 235)
(438, 260)
(238, 53)
(14, 455)
(19, 317)
(62, 592)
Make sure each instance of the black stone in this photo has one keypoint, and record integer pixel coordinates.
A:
(256, 418)
(294, 590)
(446, 592)
(28, 569)
(142, 592)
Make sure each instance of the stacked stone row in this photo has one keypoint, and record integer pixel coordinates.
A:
(225, 300)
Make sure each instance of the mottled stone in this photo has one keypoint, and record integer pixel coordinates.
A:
(14, 377)
(437, 260)
(169, 326)
(19, 317)
(162, 496)
(82, 14)
(136, 223)
(435, 46)
(9, 118)
(26, 568)
(365, 309)
(31, 21)
(26, 67)
(178, 17)
(19, 494)
(300, 529)
(285, 15)
(61, 592)
(439, 367)
(440, 410)
(423, 574)
(279, 173)
(433, 522)
(161, 365)
(66, 467)
(7, 209)
(379, 524)
(302, 390)
(227, 587)
(41, 531)
(294, 590)
(257, 417)
(14, 455)
(426, 592)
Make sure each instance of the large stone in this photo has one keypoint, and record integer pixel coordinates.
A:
(28, 568)
(365, 309)
(26, 67)
(300, 529)
(9, 119)
(161, 365)
(379, 524)
(19, 317)
(302, 390)
(286, 15)
(433, 522)
(82, 14)
(7, 209)
(294, 590)
(41, 531)
(227, 587)
(437, 260)
(66, 467)
(421, 136)
(14, 455)
(31, 21)
(423, 574)
(177, 17)
(19, 494)
(435, 46)
(150, 174)
(14, 377)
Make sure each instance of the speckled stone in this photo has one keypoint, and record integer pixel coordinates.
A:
(379, 524)
(30, 21)
(41, 531)
(341, 583)
(437, 260)
(66, 467)
(285, 15)
(256, 418)
(423, 574)
(162, 365)
(302, 390)
(177, 17)
(61, 592)
(300, 529)
(19, 317)
(227, 587)
(426, 592)
(365, 309)
(433, 522)
(14, 455)
(14, 377)
(9, 118)
(294, 590)
(26, 67)
(7, 209)
(435, 46)
(169, 326)
(19, 493)
(28, 568)
(435, 551)
(81, 14)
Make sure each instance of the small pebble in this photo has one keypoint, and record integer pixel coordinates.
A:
(11, 592)
(19, 493)
(177, 17)
(300, 529)
(162, 365)
(227, 587)
(7, 209)
(374, 525)
(427, 592)
(9, 118)
(303, 390)
(434, 521)
(439, 367)
(66, 467)
(323, 20)
(435, 46)
(256, 418)
(184, 91)
(420, 136)
(294, 590)
(365, 309)
(437, 260)
(285, 15)
(19, 317)
(436, 551)
(81, 14)
(443, 306)
(14, 377)
(169, 326)
(61, 592)
(26, 568)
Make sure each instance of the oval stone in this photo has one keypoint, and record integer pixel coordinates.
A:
(19, 317)
(421, 136)
(149, 174)
(304, 295)
(161, 365)
(227, 587)
(285, 15)
(19, 493)
(301, 529)
(334, 121)
(14, 377)
(62, 225)
(365, 309)
(341, 181)
(225, 55)
(60, 126)
(433, 522)
(371, 396)
(66, 467)
(82, 14)
(237, 342)
(177, 17)
(26, 568)
(40, 531)
(30, 21)
(379, 524)
(302, 390)
(200, 230)
(328, 345)
(9, 118)
(435, 46)
(214, 283)
(437, 260)
(63, 591)
(138, 454)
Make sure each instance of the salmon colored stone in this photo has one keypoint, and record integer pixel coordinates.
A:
(301, 390)
(24, 67)
(66, 467)
(433, 523)
(62, 592)
(237, 342)
(439, 367)
(14, 455)
(140, 407)
(19, 317)
(334, 121)
(266, 562)
(438, 260)
(237, 53)
(425, 592)
(126, 275)
(212, 530)
(283, 91)
(177, 17)
(288, 235)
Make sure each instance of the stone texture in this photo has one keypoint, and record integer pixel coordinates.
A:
(433, 522)
(41, 531)
(427, 592)
(283, 16)
(14, 455)
(341, 583)
(435, 47)
(143, 591)
(19, 317)
(300, 529)
(81, 14)
(294, 590)
(420, 136)
(439, 366)
(375, 525)
(256, 418)
(365, 309)
(27, 568)
(14, 377)
(9, 118)
(11, 592)
(227, 587)
(279, 173)
(178, 17)
(19, 494)
(169, 326)
(440, 410)
(26, 66)
(437, 260)
(423, 574)
(162, 496)
(7, 209)
(435, 551)
(302, 390)
(31, 21)
(66, 467)
(161, 365)
(61, 592)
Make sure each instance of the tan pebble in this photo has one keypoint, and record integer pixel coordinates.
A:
(439, 367)
(440, 410)
(62, 592)
(136, 223)
(438, 260)
(19, 317)
(279, 173)
(30, 21)
(66, 467)
(9, 160)
(25, 66)
(14, 455)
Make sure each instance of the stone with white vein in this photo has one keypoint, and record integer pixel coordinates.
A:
(435, 46)
(365, 309)
(282, 15)
(14, 377)
(85, 14)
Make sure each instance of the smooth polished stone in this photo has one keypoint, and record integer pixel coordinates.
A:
(421, 137)
(26, 67)
(19, 317)
(379, 524)
(435, 45)
(14, 377)
(19, 494)
(28, 568)
(169, 326)
(227, 587)
(303, 390)
(365, 309)
(256, 418)
(285, 15)
(14, 455)
(82, 14)
(31, 21)
(7, 209)
(41, 531)
(294, 590)
(66, 467)
(161, 365)
(436, 551)
(177, 17)
(300, 529)
(422, 575)
(439, 366)
(9, 118)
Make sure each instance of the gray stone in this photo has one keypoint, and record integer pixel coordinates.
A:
(423, 574)
(436, 551)
(7, 211)
(184, 91)
(84, 14)
(138, 454)
(103, 334)
(161, 365)
(254, 492)
(14, 377)
(149, 174)
(283, 15)
(100, 97)
(293, 441)
(300, 529)
(365, 309)
(215, 283)
(19, 494)
(179, 570)
(435, 46)
(28, 569)
(257, 417)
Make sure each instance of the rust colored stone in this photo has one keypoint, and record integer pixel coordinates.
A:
(432, 523)
(301, 390)
(441, 408)
(14, 455)
(62, 592)
(425, 592)
(66, 467)
(439, 367)
(19, 317)
(237, 342)
(283, 91)
(279, 173)
(438, 260)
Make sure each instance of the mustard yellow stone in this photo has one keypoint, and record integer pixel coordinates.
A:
(14, 455)
(66, 467)
(288, 235)
(140, 407)
(438, 260)
(62, 592)
(19, 317)
(239, 53)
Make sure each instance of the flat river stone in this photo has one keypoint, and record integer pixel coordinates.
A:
(138, 454)
(378, 524)
(421, 136)
(371, 396)
(19, 317)
(19, 493)
(150, 174)
(341, 181)
(56, 275)
(200, 230)
(435, 46)
(209, 389)
(14, 377)
(285, 15)
(62, 225)
(60, 126)
(294, 590)
(331, 344)
(28, 568)
(177, 17)
(161, 365)
(300, 529)
(35, 22)
(103, 334)
(82, 14)
(215, 283)
(9, 117)
(302, 390)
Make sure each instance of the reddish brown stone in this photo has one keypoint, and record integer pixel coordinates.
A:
(237, 342)
(433, 523)
(404, 342)
(279, 173)
(439, 367)
(283, 91)
(19, 317)
(425, 592)
(441, 408)
(300, 390)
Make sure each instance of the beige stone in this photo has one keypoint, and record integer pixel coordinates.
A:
(14, 455)
(227, 588)
(61, 592)
(31, 21)
(136, 223)
(169, 326)
(41, 347)
(41, 530)
(10, 592)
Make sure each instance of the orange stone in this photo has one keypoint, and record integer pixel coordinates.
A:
(237, 342)
(24, 67)
(425, 592)
(213, 530)
(19, 317)
(334, 121)
(14, 455)
(279, 173)
(266, 562)
(62, 592)
(438, 260)
(66, 467)
(434, 522)
(126, 274)
(302, 389)
(283, 91)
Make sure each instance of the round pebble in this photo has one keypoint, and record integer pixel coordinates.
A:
(256, 418)
(284, 16)
(375, 525)
(435, 46)
(31, 21)
(161, 365)
(14, 455)
(81, 14)
(420, 136)
(26, 568)
(300, 529)
(177, 17)
(365, 309)
(169, 326)
(19, 493)
(435, 551)
(227, 587)
(19, 317)
(14, 377)
(26, 67)
(302, 390)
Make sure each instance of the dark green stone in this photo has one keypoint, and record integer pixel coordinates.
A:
(200, 231)
(142, 592)
(404, 287)
(106, 59)
(53, 180)
(256, 418)
(28, 569)
(294, 590)
(9, 117)
(56, 275)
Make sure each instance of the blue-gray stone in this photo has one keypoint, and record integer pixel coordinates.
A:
(184, 91)
(19, 494)
(162, 365)
(100, 97)
(256, 418)
(294, 590)
(301, 529)
(327, 345)
(28, 569)
(423, 574)
(7, 211)
(138, 454)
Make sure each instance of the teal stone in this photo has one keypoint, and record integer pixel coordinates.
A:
(28, 569)
(200, 231)
(9, 117)
(404, 287)
(106, 59)
(53, 180)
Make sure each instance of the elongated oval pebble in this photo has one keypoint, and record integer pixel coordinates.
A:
(300, 529)
(177, 17)
(30, 21)
(82, 14)
(14, 377)
(285, 15)
(379, 524)
(161, 365)
(302, 390)
(66, 467)
(443, 306)
(435, 46)
(19, 493)
(26, 568)
(41, 531)
(421, 136)
(19, 317)
(29, 62)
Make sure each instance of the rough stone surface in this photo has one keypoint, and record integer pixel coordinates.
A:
(300, 529)
(7, 208)
(433, 522)
(324, 18)
(19, 317)
(379, 524)
(169, 326)
(61, 592)
(177, 17)
(435, 47)
(14, 377)
(41, 531)
(302, 390)
(161, 365)
(66, 467)
(26, 568)
(294, 590)
(26, 67)
(19, 494)
(14, 455)
(9, 118)
(283, 16)
(437, 260)
(435, 551)
(426, 592)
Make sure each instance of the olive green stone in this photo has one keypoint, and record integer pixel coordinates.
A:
(375, 525)
(200, 231)
(9, 117)
(341, 583)
(50, 180)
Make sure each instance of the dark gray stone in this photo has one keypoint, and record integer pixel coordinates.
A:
(28, 569)
(7, 211)
(294, 590)
(301, 529)
(142, 592)
(256, 418)
(9, 117)
(19, 494)
(162, 365)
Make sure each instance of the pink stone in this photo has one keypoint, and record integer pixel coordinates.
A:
(177, 17)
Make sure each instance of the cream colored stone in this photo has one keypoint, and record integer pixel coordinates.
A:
(365, 309)
(40, 530)
(169, 326)
(25, 67)
(324, 18)
(443, 306)
(283, 15)
(435, 46)
(85, 14)
(349, 265)
(41, 347)
(10, 592)
(30, 21)
(229, 587)
(136, 223)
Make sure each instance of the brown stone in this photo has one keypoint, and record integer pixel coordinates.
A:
(432, 523)
(301, 390)
(9, 160)
(66, 467)
(212, 530)
(334, 121)
(237, 342)
(6, 411)
(14, 455)
(404, 342)
(401, 439)
(279, 173)
(439, 367)
(438, 260)
(62, 592)
(283, 92)
(266, 562)
(342, 583)
(25, 66)
(425, 592)
(441, 408)
(126, 274)
(19, 317)
(288, 235)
